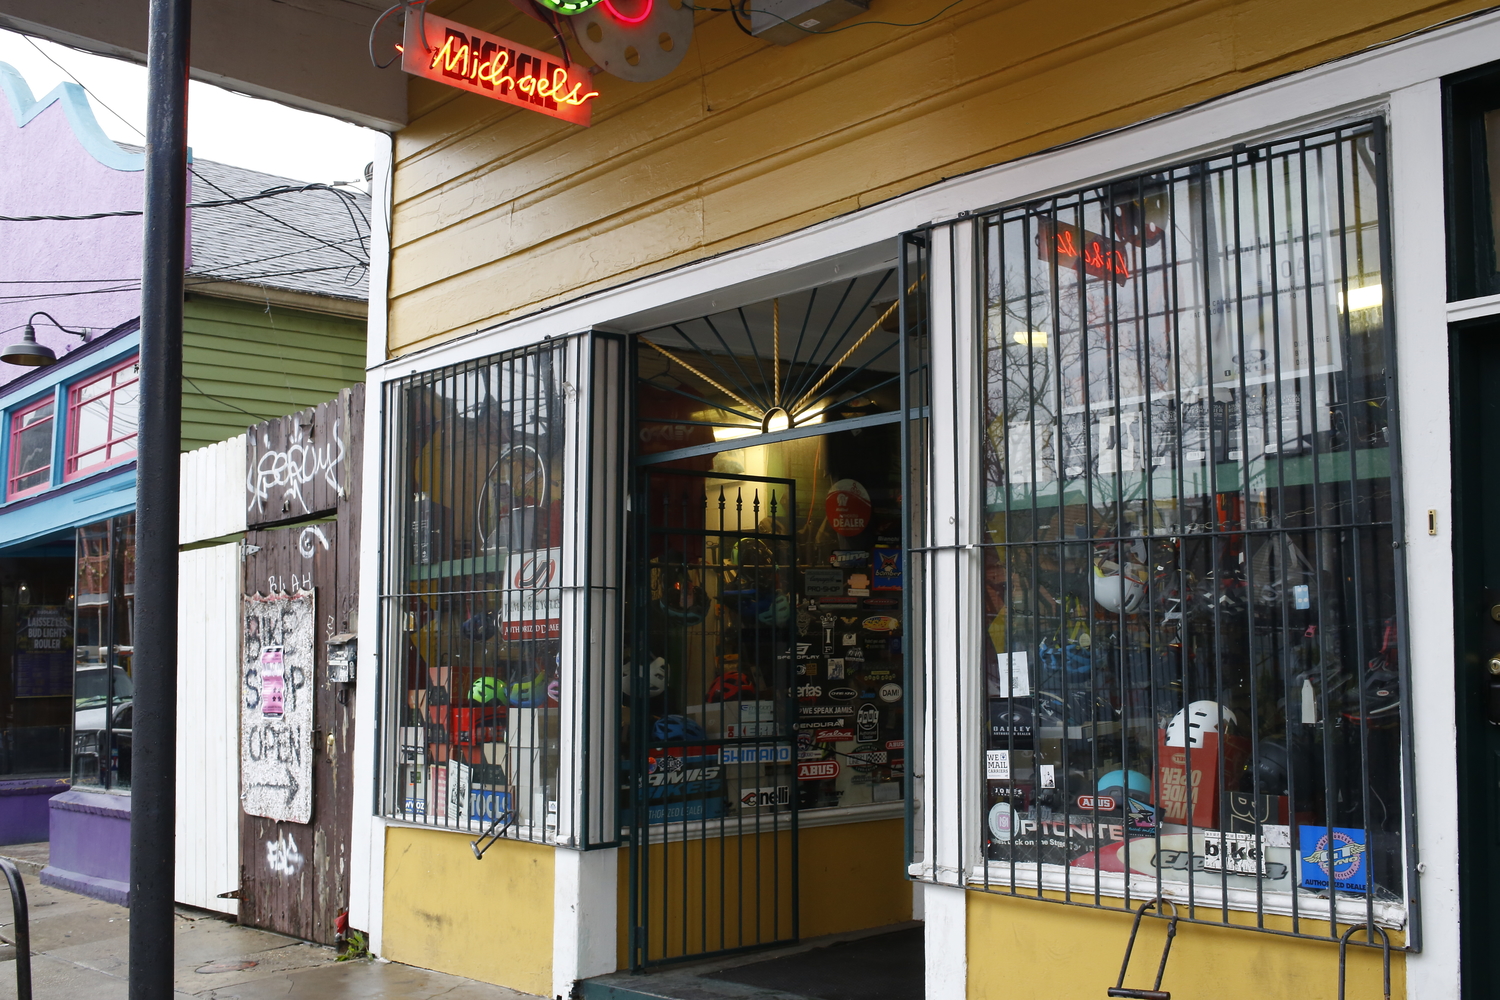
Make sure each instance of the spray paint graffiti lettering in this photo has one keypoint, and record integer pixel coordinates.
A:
(290, 470)
(282, 855)
(310, 535)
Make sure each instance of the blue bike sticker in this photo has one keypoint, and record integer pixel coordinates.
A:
(1333, 858)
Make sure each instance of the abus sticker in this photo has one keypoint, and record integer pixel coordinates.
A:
(1104, 803)
(881, 623)
(843, 694)
(818, 770)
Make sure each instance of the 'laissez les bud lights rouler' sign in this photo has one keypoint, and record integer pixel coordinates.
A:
(491, 66)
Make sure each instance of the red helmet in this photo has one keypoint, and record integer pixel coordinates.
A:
(731, 685)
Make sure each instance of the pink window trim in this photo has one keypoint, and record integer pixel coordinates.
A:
(72, 469)
(15, 434)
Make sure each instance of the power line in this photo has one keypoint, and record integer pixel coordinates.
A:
(348, 200)
(275, 192)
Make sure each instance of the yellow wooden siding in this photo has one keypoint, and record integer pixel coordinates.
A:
(244, 363)
(501, 211)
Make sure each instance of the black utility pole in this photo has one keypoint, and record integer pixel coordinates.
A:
(153, 795)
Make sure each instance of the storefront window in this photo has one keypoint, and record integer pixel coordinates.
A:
(1192, 633)
(30, 450)
(102, 418)
(478, 482)
(36, 665)
(104, 606)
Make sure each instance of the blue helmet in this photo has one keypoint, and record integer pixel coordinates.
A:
(1131, 781)
(677, 727)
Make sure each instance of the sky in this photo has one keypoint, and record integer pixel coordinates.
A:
(222, 125)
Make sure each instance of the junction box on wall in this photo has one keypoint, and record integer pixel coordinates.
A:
(788, 21)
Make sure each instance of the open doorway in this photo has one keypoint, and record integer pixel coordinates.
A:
(766, 722)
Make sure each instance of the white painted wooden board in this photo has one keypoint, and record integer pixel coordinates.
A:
(213, 491)
(208, 774)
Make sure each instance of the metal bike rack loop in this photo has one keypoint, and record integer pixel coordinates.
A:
(1385, 948)
(23, 930)
(1155, 992)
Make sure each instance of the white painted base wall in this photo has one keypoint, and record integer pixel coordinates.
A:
(584, 916)
(946, 933)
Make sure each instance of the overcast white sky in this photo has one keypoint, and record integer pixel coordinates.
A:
(222, 126)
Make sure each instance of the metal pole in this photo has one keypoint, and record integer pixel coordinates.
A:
(154, 792)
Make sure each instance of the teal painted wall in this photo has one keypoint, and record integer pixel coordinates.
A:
(244, 363)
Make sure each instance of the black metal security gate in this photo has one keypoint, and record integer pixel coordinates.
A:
(709, 774)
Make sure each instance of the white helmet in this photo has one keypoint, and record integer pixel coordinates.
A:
(1118, 590)
(658, 674)
(1198, 718)
(656, 671)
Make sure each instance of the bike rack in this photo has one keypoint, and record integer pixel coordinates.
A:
(1385, 947)
(23, 930)
(1155, 992)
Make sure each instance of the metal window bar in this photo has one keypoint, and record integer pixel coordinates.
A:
(500, 597)
(1190, 578)
(710, 773)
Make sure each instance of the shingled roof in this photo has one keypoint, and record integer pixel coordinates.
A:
(316, 242)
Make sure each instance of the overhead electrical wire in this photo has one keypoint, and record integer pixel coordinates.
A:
(275, 192)
(350, 204)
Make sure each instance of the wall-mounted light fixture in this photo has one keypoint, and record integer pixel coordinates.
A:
(31, 354)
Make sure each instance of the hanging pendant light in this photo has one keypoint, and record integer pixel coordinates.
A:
(28, 352)
(33, 355)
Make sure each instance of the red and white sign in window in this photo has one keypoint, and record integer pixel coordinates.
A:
(30, 450)
(102, 415)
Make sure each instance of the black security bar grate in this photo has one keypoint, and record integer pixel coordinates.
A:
(501, 600)
(1190, 588)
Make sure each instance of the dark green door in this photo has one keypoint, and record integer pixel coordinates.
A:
(1476, 463)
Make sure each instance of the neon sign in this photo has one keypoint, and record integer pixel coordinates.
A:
(1101, 257)
(494, 67)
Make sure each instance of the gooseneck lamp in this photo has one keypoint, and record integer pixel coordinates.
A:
(31, 354)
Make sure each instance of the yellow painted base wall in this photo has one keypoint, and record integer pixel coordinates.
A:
(851, 878)
(489, 920)
(1030, 950)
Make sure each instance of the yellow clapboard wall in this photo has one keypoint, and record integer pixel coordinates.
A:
(501, 211)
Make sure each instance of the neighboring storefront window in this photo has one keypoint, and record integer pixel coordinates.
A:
(1192, 633)
(478, 478)
(102, 418)
(30, 450)
(36, 665)
(104, 606)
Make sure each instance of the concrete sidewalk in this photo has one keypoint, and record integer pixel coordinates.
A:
(80, 948)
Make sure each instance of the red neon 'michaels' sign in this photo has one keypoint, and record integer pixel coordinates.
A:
(494, 67)
(1103, 258)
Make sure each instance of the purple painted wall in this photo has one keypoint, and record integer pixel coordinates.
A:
(24, 814)
(55, 160)
(90, 851)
